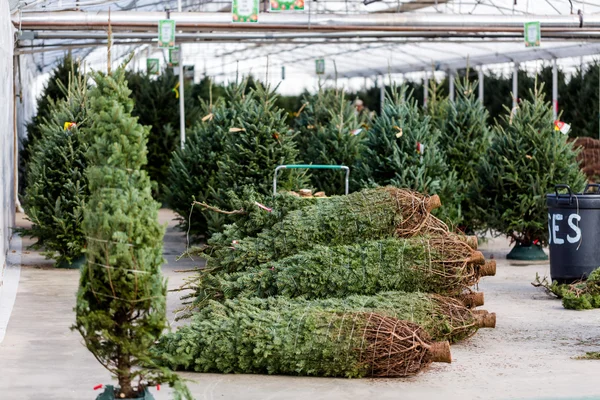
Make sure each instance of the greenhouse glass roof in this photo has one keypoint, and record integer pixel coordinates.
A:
(357, 39)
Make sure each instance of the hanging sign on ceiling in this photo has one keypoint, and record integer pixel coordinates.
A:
(166, 33)
(320, 66)
(532, 34)
(152, 66)
(244, 10)
(283, 73)
(287, 5)
(174, 56)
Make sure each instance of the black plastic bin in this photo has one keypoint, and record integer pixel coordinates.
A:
(574, 228)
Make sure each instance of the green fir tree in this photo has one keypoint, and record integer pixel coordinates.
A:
(526, 159)
(330, 133)
(401, 149)
(57, 186)
(121, 303)
(157, 105)
(237, 144)
(54, 91)
(465, 139)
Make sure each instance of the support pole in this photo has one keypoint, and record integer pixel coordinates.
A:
(381, 95)
(451, 81)
(515, 86)
(554, 90)
(181, 98)
(481, 77)
(181, 92)
(425, 90)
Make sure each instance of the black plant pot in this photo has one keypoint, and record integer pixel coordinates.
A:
(109, 394)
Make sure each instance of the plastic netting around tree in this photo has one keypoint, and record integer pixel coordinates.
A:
(369, 214)
(438, 264)
(297, 339)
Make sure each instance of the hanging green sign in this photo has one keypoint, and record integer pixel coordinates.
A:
(244, 10)
(174, 56)
(152, 66)
(532, 34)
(166, 33)
(320, 66)
(286, 5)
(283, 73)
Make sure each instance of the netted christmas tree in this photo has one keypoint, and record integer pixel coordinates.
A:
(465, 139)
(330, 132)
(121, 303)
(435, 264)
(280, 336)
(401, 150)
(56, 183)
(238, 143)
(527, 158)
(54, 91)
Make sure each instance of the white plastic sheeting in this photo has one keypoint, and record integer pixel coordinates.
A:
(7, 183)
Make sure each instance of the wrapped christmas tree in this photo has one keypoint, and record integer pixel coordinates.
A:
(296, 338)
(121, 301)
(426, 264)
(465, 139)
(401, 149)
(370, 214)
(57, 186)
(526, 159)
(330, 132)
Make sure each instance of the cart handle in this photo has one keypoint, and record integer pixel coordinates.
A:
(310, 166)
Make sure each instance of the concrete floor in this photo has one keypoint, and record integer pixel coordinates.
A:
(529, 355)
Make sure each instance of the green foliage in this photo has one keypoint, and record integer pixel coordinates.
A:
(360, 216)
(590, 355)
(526, 159)
(54, 91)
(336, 271)
(438, 106)
(390, 155)
(260, 213)
(239, 144)
(583, 295)
(465, 138)
(579, 101)
(156, 105)
(330, 133)
(57, 186)
(121, 303)
(295, 337)
(193, 169)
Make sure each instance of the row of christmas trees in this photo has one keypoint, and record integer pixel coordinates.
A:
(156, 105)
(489, 177)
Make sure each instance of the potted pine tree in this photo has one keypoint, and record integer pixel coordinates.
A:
(526, 159)
(121, 303)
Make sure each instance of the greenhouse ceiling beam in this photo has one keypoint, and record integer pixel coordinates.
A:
(148, 21)
(549, 53)
(274, 36)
